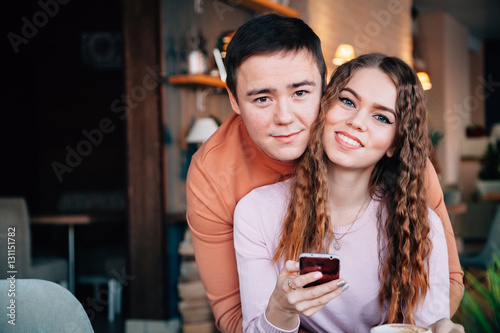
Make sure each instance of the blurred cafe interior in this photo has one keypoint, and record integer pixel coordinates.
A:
(105, 102)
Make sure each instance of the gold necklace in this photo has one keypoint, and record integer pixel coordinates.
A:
(336, 245)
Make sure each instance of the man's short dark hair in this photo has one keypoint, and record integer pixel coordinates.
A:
(270, 34)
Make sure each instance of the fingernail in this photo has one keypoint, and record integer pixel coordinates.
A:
(340, 284)
(345, 287)
(296, 265)
(317, 275)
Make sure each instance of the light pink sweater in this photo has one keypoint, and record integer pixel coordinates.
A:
(257, 225)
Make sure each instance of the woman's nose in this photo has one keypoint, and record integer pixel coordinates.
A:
(357, 122)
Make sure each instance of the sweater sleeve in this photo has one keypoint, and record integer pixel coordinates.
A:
(257, 274)
(436, 304)
(212, 231)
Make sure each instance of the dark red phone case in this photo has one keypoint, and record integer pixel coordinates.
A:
(328, 264)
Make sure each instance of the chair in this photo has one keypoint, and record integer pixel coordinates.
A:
(14, 214)
(483, 258)
(40, 306)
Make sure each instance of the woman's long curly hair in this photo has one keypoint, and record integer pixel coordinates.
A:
(398, 182)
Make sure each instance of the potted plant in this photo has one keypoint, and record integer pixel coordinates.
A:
(475, 131)
(489, 174)
(479, 310)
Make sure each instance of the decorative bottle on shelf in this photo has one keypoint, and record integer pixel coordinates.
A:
(197, 55)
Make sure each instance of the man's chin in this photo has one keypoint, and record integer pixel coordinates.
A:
(286, 156)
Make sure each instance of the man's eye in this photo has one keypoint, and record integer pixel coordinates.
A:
(262, 99)
(346, 101)
(382, 119)
(300, 93)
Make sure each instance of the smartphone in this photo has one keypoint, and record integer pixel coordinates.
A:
(328, 264)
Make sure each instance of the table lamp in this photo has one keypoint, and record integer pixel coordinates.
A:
(201, 130)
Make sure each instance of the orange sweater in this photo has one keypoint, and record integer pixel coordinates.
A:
(223, 170)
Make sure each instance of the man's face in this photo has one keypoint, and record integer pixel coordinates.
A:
(278, 99)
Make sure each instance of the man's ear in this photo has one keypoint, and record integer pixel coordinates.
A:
(233, 101)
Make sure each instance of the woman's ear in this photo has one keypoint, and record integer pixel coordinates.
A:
(390, 152)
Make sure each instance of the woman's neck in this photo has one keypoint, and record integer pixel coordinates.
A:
(348, 193)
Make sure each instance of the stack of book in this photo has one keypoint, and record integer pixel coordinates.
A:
(194, 307)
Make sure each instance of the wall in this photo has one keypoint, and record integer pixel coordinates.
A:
(55, 93)
(369, 26)
(445, 43)
(477, 110)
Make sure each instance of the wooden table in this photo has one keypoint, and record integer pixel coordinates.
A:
(71, 221)
(455, 209)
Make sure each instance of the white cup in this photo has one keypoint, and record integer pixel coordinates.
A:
(400, 328)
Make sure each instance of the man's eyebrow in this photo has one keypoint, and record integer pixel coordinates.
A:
(260, 91)
(376, 106)
(302, 83)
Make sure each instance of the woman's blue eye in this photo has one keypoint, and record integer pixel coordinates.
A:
(346, 101)
(382, 119)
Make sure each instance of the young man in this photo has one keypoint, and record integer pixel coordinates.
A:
(276, 76)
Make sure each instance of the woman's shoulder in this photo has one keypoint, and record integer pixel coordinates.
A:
(263, 208)
(266, 197)
(274, 191)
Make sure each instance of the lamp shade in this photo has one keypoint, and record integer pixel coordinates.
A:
(344, 53)
(202, 129)
(424, 80)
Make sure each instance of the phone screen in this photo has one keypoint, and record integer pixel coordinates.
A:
(327, 264)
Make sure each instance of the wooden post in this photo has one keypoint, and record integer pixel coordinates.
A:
(146, 231)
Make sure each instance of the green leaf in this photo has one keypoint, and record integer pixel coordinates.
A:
(479, 310)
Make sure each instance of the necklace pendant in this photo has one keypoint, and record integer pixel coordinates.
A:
(336, 246)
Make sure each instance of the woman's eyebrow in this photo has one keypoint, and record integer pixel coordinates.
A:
(353, 92)
(375, 105)
(384, 108)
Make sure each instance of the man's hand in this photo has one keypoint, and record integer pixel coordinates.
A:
(445, 325)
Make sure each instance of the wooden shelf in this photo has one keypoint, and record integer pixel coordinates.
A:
(492, 196)
(207, 80)
(196, 79)
(267, 5)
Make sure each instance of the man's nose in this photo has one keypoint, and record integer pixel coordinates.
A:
(284, 113)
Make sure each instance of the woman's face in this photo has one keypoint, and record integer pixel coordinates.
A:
(361, 126)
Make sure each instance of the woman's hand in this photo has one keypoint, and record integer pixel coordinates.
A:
(289, 299)
(445, 325)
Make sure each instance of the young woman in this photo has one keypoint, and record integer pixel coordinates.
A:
(359, 193)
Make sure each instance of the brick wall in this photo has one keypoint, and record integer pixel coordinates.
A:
(369, 26)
